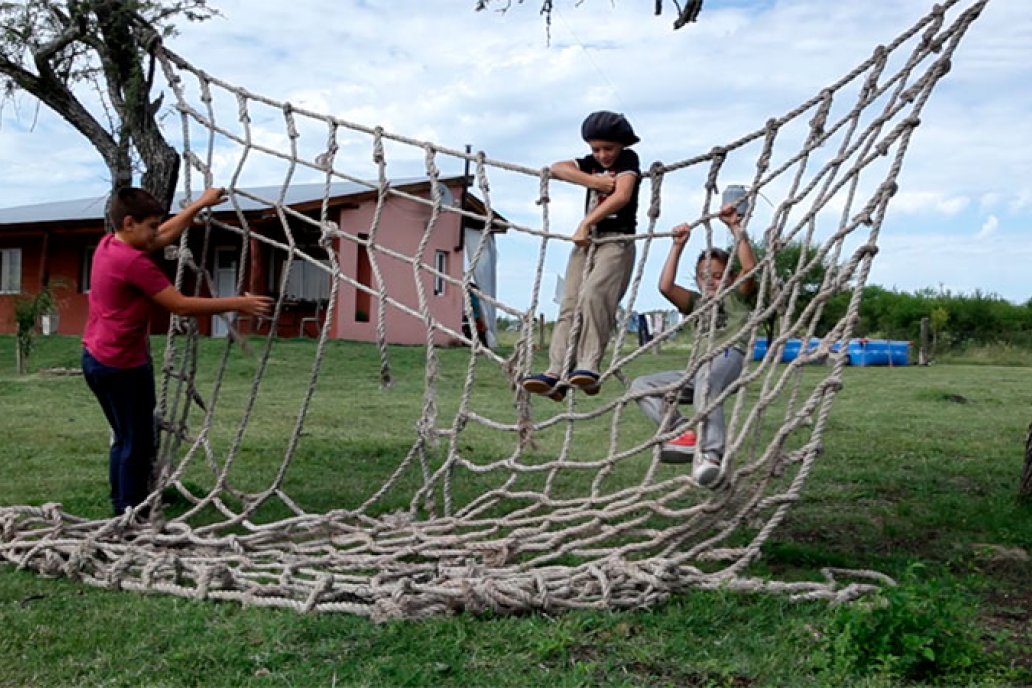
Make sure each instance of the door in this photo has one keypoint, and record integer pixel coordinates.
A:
(225, 285)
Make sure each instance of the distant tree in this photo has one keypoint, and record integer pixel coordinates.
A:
(684, 15)
(89, 61)
(939, 319)
(786, 264)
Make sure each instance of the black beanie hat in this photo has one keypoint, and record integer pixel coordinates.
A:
(608, 126)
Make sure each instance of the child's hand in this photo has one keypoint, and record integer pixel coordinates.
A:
(256, 305)
(582, 237)
(604, 183)
(681, 233)
(730, 217)
(212, 196)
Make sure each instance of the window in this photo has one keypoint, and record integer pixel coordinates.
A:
(364, 276)
(10, 270)
(308, 282)
(441, 265)
(87, 269)
(305, 281)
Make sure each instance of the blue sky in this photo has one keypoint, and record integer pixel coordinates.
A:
(442, 72)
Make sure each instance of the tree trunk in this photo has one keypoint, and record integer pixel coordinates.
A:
(20, 364)
(122, 55)
(1025, 488)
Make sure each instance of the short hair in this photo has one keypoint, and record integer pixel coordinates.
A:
(134, 202)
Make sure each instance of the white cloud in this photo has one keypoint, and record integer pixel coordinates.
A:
(1022, 201)
(989, 227)
(994, 263)
(924, 202)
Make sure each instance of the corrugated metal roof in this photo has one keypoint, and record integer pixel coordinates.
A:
(93, 208)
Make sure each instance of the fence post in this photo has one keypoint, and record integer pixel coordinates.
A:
(923, 353)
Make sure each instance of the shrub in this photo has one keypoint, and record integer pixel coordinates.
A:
(916, 631)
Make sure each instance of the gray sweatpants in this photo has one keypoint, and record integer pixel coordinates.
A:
(603, 287)
(722, 371)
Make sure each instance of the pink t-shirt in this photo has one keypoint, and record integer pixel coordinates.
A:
(122, 281)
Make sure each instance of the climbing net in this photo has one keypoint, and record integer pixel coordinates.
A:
(516, 503)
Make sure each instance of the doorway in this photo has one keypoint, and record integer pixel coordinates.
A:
(225, 285)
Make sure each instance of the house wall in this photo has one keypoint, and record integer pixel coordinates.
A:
(400, 229)
(31, 249)
(65, 257)
(64, 266)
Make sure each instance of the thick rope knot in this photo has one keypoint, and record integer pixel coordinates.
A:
(543, 197)
(820, 117)
(243, 112)
(655, 176)
(328, 232)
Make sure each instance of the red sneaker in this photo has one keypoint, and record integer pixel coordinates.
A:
(681, 449)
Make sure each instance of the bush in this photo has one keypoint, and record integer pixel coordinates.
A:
(916, 631)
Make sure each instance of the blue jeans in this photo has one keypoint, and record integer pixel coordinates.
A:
(127, 397)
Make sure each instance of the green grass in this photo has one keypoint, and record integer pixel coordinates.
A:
(918, 481)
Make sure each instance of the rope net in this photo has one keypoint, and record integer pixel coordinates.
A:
(482, 502)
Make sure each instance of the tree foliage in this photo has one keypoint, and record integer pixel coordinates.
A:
(88, 61)
(957, 320)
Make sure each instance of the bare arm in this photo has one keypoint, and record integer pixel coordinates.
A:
(746, 258)
(173, 300)
(568, 171)
(620, 197)
(679, 296)
(172, 228)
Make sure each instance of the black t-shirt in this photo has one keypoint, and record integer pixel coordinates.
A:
(625, 219)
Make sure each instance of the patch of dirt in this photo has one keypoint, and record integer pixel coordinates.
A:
(657, 674)
(653, 675)
(1007, 607)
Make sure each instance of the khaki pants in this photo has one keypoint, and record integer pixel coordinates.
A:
(599, 292)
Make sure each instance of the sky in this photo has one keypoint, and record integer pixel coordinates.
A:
(439, 71)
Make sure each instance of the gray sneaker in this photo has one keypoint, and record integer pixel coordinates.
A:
(706, 469)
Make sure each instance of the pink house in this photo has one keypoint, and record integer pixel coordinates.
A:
(53, 244)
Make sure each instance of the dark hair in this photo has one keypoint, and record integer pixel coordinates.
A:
(131, 201)
(713, 254)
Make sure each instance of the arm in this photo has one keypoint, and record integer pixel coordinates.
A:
(668, 287)
(173, 300)
(620, 197)
(172, 228)
(730, 217)
(568, 171)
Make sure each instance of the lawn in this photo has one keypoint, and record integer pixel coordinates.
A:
(917, 480)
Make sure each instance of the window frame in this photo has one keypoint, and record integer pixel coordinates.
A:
(86, 281)
(441, 265)
(14, 279)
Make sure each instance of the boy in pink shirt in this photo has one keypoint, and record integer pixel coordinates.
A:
(116, 358)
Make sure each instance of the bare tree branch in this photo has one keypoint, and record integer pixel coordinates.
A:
(48, 46)
(689, 13)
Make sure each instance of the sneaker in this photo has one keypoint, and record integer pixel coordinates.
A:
(706, 470)
(681, 449)
(584, 380)
(545, 385)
